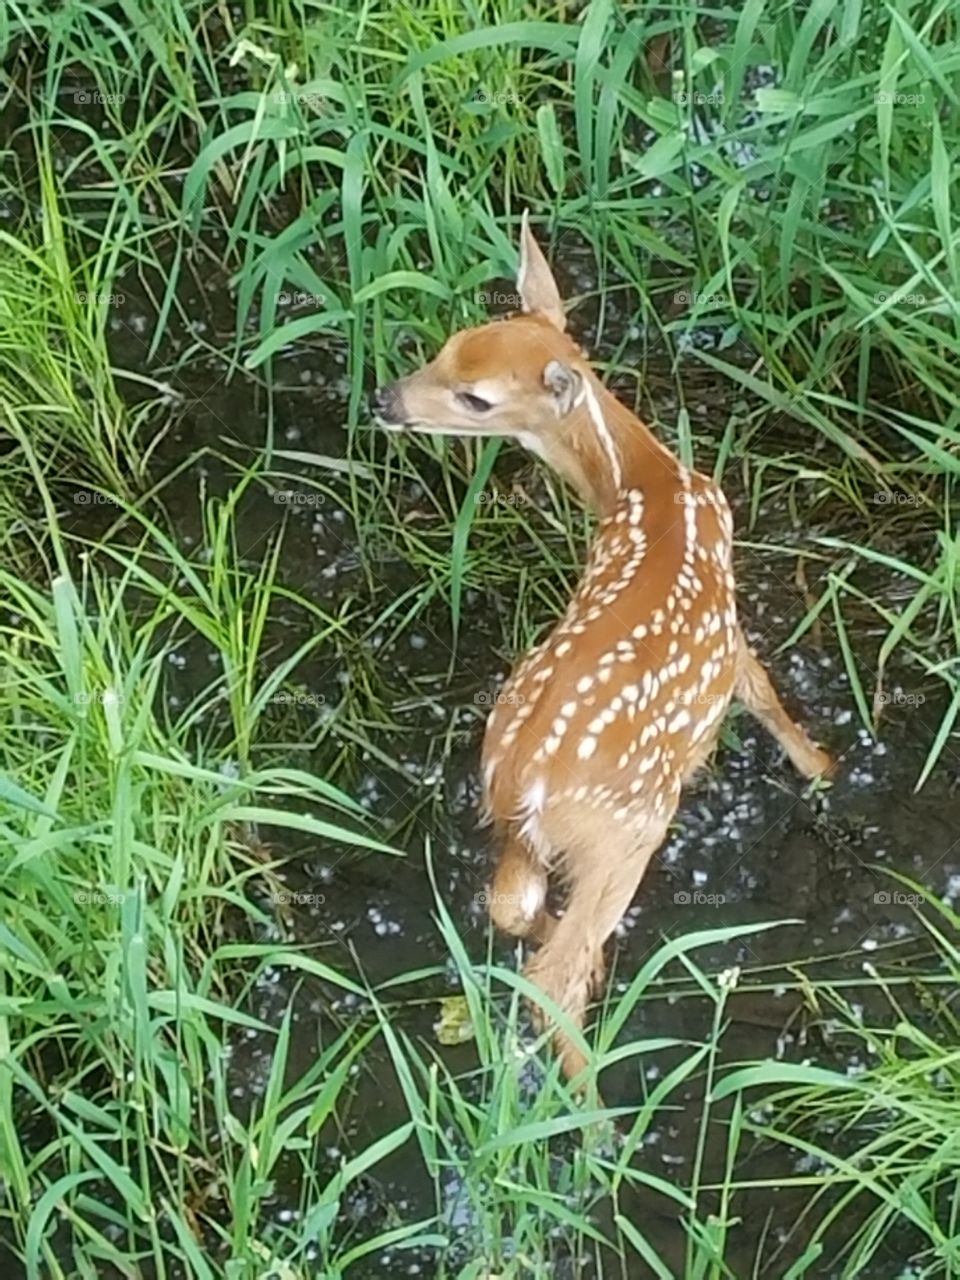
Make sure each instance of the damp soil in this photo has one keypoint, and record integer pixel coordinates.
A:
(750, 843)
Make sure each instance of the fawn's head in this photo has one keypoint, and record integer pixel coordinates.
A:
(522, 377)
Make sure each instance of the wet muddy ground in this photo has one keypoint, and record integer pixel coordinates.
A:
(750, 843)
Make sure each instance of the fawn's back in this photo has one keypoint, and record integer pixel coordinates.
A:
(611, 709)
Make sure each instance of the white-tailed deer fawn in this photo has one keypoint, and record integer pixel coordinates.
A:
(601, 724)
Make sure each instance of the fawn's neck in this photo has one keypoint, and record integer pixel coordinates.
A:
(608, 451)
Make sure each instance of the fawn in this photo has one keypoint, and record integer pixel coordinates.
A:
(599, 725)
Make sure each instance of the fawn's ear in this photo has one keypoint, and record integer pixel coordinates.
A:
(535, 283)
(564, 384)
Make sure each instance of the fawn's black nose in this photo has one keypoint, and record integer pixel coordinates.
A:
(386, 404)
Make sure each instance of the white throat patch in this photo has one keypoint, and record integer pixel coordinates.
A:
(603, 431)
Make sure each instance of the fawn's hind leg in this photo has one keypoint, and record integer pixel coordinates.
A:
(755, 690)
(604, 871)
(518, 895)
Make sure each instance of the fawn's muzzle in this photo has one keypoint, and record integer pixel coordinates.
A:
(387, 404)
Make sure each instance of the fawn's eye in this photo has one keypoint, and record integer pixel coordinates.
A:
(476, 404)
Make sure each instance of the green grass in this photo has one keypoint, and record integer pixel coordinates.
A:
(882, 1140)
(776, 223)
(786, 191)
(872, 1151)
(132, 842)
(56, 377)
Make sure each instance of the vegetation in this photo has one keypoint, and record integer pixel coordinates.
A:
(201, 206)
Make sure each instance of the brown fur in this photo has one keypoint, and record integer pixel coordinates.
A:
(600, 726)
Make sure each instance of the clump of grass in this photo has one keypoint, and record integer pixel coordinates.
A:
(735, 182)
(924, 629)
(56, 377)
(527, 1174)
(868, 1157)
(133, 848)
(877, 1145)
